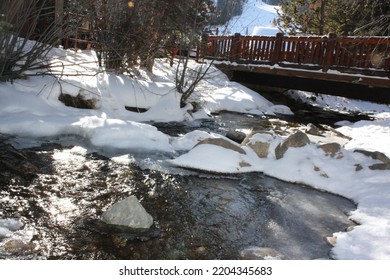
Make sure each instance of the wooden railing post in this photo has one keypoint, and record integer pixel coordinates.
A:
(235, 49)
(277, 48)
(388, 69)
(330, 52)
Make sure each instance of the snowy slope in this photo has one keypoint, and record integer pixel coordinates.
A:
(256, 19)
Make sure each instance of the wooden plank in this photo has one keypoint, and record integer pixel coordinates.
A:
(294, 50)
(257, 50)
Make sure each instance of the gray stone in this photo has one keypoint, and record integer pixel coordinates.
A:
(375, 155)
(332, 240)
(358, 167)
(82, 101)
(222, 143)
(313, 130)
(380, 166)
(331, 149)
(128, 212)
(261, 148)
(235, 135)
(323, 174)
(260, 253)
(259, 142)
(17, 246)
(296, 140)
(244, 164)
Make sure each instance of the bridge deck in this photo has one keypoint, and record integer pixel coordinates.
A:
(374, 89)
(354, 67)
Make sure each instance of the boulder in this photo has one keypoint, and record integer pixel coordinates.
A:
(128, 212)
(222, 143)
(17, 246)
(261, 148)
(83, 100)
(331, 240)
(375, 155)
(331, 149)
(235, 135)
(385, 165)
(259, 143)
(312, 129)
(380, 166)
(260, 253)
(296, 140)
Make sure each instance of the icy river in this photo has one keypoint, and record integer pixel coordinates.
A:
(51, 202)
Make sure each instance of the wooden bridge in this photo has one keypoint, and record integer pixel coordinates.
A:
(354, 67)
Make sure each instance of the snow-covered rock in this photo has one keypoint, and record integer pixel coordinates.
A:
(296, 140)
(213, 158)
(313, 130)
(259, 143)
(222, 143)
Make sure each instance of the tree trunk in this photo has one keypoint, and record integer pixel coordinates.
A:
(59, 15)
(322, 17)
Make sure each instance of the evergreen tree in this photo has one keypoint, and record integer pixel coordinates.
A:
(348, 17)
(227, 9)
(374, 18)
(296, 17)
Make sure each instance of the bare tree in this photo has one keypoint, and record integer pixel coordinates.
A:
(189, 37)
(24, 40)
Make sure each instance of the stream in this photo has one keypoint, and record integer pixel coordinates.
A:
(52, 198)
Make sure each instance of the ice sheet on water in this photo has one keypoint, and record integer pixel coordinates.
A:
(4, 232)
(10, 224)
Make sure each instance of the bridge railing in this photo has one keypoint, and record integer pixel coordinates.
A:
(357, 55)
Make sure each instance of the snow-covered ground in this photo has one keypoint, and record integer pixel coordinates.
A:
(31, 108)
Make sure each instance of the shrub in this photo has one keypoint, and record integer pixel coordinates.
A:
(22, 47)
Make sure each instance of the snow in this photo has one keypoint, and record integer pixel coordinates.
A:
(220, 161)
(362, 135)
(256, 19)
(264, 31)
(31, 108)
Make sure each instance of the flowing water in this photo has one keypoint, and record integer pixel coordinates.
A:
(52, 199)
